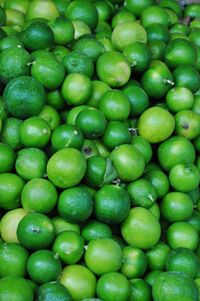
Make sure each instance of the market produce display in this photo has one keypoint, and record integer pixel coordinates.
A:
(99, 150)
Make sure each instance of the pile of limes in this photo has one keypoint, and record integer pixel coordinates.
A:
(99, 150)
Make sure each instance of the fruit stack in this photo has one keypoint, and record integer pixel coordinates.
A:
(99, 150)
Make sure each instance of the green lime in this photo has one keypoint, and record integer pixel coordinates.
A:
(90, 47)
(112, 204)
(121, 16)
(39, 195)
(51, 116)
(66, 168)
(127, 33)
(141, 228)
(103, 255)
(67, 135)
(89, 149)
(86, 13)
(78, 62)
(10, 132)
(79, 280)
(174, 286)
(63, 30)
(176, 206)
(53, 291)
(157, 80)
(154, 14)
(31, 163)
(128, 162)
(81, 28)
(184, 177)
(192, 10)
(187, 76)
(35, 231)
(68, 246)
(23, 97)
(11, 186)
(2, 16)
(157, 49)
(42, 9)
(142, 193)
(13, 286)
(151, 277)
(60, 52)
(143, 146)
(104, 10)
(115, 134)
(47, 262)
(94, 230)
(157, 32)
(13, 63)
(14, 18)
(139, 56)
(195, 219)
(13, 260)
(182, 235)
(157, 256)
(61, 225)
(138, 99)
(49, 72)
(180, 52)
(34, 132)
(9, 224)
(92, 122)
(187, 124)
(7, 158)
(113, 286)
(140, 290)
(134, 262)
(115, 105)
(183, 260)
(9, 42)
(137, 7)
(41, 53)
(156, 124)
(175, 150)
(113, 68)
(38, 35)
(79, 209)
(76, 88)
(55, 100)
(179, 98)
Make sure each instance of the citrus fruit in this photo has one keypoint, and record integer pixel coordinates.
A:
(35, 231)
(68, 246)
(23, 97)
(127, 33)
(153, 119)
(61, 225)
(141, 228)
(175, 150)
(113, 68)
(79, 280)
(13, 286)
(49, 72)
(182, 235)
(112, 204)
(157, 256)
(31, 163)
(94, 229)
(63, 30)
(39, 195)
(48, 264)
(53, 290)
(143, 146)
(76, 88)
(187, 76)
(14, 62)
(9, 224)
(179, 98)
(137, 7)
(66, 168)
(7, 158)
(176, 206)
(115, 105)
(51, 115)
(138, 99)
(79, 209)
(67, 135)
(13, 260)
(103, 255)
(154, 14)
(187, 124)
(81, 29)
(113, 285)
(157, 32)
(177, 286)
(90, 47)
(134, 262)
(140, 290)
(128, 162)
(11, 186)
(42, 9)
(182, 260)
